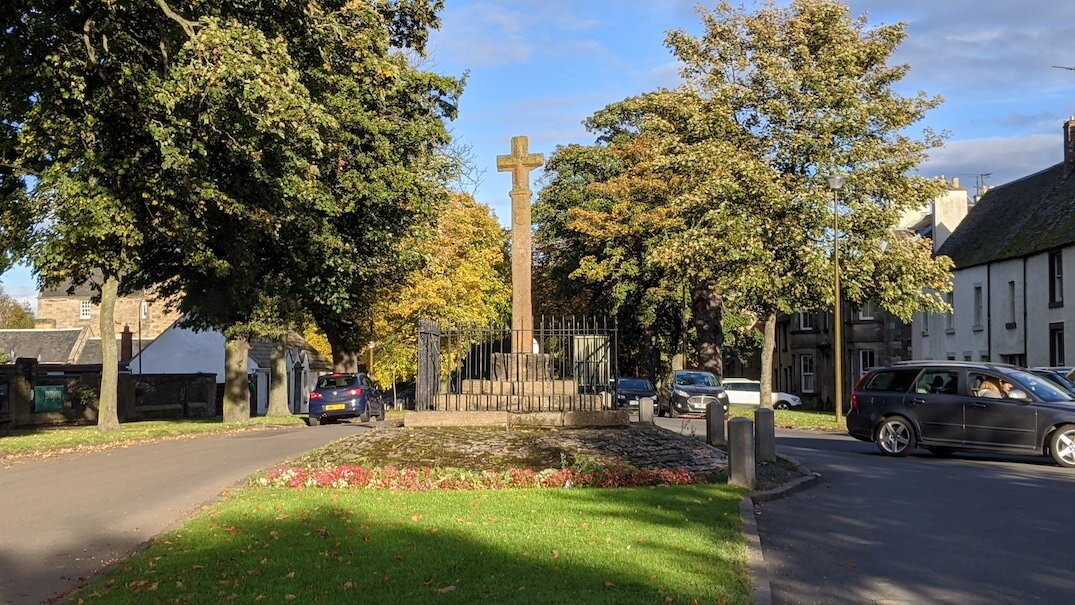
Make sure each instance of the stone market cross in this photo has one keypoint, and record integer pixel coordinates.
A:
(519, 164)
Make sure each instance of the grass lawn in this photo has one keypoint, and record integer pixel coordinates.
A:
(795, 419)
(41, 440)
(277, 545)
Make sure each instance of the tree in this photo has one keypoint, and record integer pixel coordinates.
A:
(13, 314)
(464, 281)
(719, 185)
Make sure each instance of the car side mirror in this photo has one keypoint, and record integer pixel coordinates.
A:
(1018, 395)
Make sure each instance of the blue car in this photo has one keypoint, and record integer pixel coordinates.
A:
(338, 396)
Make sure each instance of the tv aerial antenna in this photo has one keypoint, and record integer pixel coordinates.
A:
(1063, 67)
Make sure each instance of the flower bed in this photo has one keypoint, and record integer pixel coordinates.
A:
(425, 478)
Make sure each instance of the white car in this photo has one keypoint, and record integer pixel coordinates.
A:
(747, 392)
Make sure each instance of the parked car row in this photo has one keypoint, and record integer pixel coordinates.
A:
(949, 406)
(690, 391)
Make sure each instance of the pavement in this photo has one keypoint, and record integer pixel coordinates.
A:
(63, 519)
(973, 528)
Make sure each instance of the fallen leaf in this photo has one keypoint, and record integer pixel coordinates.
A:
(290, 597)
(446, 590)
(609, 584)
(555, 554)
(348, 585)
(290, 575)
(416, 517)
(668, 601)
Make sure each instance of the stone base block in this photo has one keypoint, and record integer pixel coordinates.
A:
(506, 387)
(430, 419)
(522, 403)
(522, 367)
(598, 418)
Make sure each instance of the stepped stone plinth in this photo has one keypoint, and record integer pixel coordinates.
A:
(522, 367)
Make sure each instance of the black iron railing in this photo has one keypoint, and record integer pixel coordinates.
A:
(570, 365)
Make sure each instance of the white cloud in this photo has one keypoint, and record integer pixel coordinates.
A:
(1006, 158)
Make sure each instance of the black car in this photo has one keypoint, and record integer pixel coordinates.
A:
(949, 406)
(689, 392)
(631, 391)
(343, 395)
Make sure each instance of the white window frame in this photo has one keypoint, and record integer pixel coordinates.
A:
(1056, 277)
(950, 317)
(804, 322)
(84, 309)
(1011, 302)
(144, 309)
(806, 378)
(867, 311)
(863, 365)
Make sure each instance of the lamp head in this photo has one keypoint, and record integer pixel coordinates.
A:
(835, 181)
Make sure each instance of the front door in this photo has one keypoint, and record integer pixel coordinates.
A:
(936, 404)
(993, 419)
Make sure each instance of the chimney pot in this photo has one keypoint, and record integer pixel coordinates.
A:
(1069, 146)
(126, 346)
(955, 182)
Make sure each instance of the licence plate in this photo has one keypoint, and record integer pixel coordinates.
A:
(335, 406)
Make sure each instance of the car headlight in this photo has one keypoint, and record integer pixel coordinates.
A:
(680, 393)
(621, 396)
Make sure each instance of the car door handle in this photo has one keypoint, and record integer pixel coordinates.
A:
(979, 405)
(918, 401)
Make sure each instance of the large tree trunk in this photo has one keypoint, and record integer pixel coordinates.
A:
(707, 308)
(768, 348)
(107, 407)
(344, 358)
(236, 384)
(278, 380)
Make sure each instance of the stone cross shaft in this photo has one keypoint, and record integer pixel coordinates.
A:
(519, 164)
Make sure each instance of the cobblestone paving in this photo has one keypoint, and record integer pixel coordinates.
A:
(497, 448)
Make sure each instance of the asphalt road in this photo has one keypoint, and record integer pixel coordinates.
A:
(973, 528)
(62, 519)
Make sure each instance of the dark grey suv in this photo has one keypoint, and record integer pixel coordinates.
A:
(948, 406)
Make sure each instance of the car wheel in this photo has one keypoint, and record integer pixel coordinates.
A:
(381, 414)
(941, 452)
(672, 410)
(1062, 445)
(781, 405)
(313, 421)
(895, 436)
(365, 416)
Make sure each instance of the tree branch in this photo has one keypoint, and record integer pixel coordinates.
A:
(86, 40)
(187, 25)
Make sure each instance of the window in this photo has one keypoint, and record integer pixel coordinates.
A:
(1056, 279)
(925, 323)
(145, 309)
(986, 386)
(937, 382)
(784, 336)
(1056, 344)
(950, 319)
(84, 309)
(1015, 359)
(977, 307)
(1011, 306)
(867, 311)
(892, 380)
(866, 361)
(806, 372)
(806, 321)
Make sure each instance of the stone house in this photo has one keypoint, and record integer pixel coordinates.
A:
(67, 307)
(872, 337)
(1011, 301)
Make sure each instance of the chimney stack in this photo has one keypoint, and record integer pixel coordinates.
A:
(126, 345)
(955, 182)
(1069, 146)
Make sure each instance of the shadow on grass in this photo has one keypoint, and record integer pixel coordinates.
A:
(637, 545)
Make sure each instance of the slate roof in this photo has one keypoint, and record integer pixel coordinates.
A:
(1024, 217)
(91, 352)
(47, 346)
(261, 351)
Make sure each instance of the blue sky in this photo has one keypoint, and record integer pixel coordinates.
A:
(540, 67)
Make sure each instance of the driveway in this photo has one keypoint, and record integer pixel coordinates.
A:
(973, 528)
(62, 519)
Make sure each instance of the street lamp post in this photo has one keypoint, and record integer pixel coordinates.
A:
(836, 182)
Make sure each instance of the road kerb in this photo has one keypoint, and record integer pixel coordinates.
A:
(760, 591)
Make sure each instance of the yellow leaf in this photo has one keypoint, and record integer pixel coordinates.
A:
(446, 590)
(609, 584)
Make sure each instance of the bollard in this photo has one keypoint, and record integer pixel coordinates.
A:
(764, 435)
(714, 424)
(741, 452)
(645, 410)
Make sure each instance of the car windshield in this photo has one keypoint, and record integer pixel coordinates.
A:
(696, 379)
(1045, 389)
(334, 381)
(635, 384)
(1059, 379)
